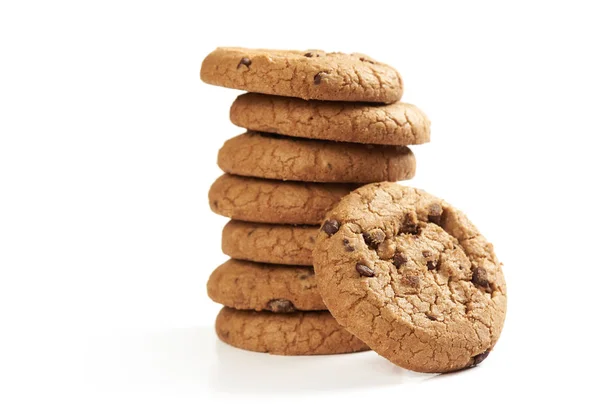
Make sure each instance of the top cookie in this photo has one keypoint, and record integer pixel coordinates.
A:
(393, 124)
(412, 277)
(310, 74)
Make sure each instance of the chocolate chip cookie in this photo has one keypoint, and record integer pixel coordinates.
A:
(272, 287)
(394, 124)
(290, 334)
(285, 158)
(272, 201)
(310, 74)
(412, 277)
(269, 243)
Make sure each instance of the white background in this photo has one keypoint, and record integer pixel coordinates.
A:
(108, 144)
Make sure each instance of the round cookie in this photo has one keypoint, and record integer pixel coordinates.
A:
(271, 156)
(290, 334)
(246, 285)
(412, 277)
(310, 74)
(272, 201)
(269, 243)
(394, 124)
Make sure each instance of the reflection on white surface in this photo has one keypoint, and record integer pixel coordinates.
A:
(192, 357)
(247, 372)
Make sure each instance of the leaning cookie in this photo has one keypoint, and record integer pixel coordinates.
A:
(272, 201)
(410, 276)
(269, 243)
(290, 334)
(256, 286)
(271, 156)
(394, 124)
(309, 74)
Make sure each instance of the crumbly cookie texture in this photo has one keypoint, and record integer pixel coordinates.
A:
(305, 74)
(285, 158)
(394, 124)
(269, 243)
(272, 201)
(289, 334)
(256, 286)
(412, 277)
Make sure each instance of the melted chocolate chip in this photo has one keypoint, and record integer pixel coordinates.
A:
(347, 246)
(317, 79)
(399, 259)
(435, 214)
(431, 317)
(363, 59)
(364, 270)
(244, 61)
(374, 238)
(480, 277)
(308, 55)
(280, 306)
(330, 227)
(412, 280)
(432, 265)
(480, 357)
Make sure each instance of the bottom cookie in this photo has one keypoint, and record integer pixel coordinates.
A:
(289, 334)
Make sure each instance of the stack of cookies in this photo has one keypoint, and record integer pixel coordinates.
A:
(319, 125)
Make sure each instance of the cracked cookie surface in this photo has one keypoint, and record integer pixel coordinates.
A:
(290, 334)
(310, 74)
(394, 124)
(412, 277)
(271, 156)
(269, 243)
(272, 201)
(255, 286)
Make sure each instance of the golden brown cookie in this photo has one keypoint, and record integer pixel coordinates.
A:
(272, 287)
(285, 158)
(394, 124)
(412, 277)
(306, 74)
(269, 243)
(288, 334)
(272, 201)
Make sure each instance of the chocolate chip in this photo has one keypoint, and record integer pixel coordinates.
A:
(412, 280)
(399, 259)
(374, 238)
(347, 246)
(280, 306)
(317, 79)
(244, 61)
(311, 54)
(431, 317)
(480, 357)
(410, 224)
(480, 277)
(435, 214)
(363, 59)
(432, 265)
(330, 227)
(305, 276)
(364, 270)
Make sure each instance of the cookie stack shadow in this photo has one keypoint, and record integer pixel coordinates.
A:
(318, 126)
